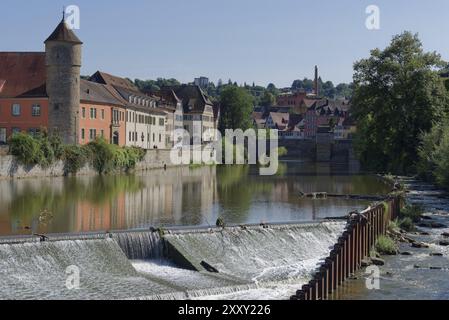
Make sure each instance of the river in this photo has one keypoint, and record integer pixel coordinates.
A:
(254, 263)
(179, 197)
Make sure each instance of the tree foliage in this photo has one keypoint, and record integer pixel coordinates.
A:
(433, 164)
(236, 107)
(398, 95)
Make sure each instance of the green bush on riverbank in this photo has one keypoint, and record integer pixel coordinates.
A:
(44, 150)
(433, 164)
(386, 246)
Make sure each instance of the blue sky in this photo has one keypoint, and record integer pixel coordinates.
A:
(246, 40)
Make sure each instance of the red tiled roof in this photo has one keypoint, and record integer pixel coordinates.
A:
(96, 92)
(115, 81)
(22, 74)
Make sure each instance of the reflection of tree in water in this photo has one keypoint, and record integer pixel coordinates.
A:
(236, 189)
(57, 198)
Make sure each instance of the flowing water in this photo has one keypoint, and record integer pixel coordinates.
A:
(420, 274)
(253, 262)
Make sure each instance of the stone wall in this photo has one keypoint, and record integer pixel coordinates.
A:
(11, 169)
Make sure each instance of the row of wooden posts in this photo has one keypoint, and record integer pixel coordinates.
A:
(353, 246)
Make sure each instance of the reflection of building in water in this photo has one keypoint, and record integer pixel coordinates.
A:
(83, 204)
(166, 197)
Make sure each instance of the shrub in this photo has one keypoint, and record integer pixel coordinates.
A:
(45, 155)
(433, 163)
(406, 224)
(75, 157)
(385, 245)
(44, 150)
(102, 155)
(282, 151)
(57, 146)
(25, 148)
(413, 212)
(393, 226)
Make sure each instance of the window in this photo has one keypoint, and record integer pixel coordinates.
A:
(102, 114)
(83, 134)
(36, 110)
(102, 133)
(2, 135)
(130, 138)
(154, 137)
(93, 113)
(33, 132)
(16, 109)
(92, 134)
(160, 137)
(83, 112)
(161, 121)
(16, 130)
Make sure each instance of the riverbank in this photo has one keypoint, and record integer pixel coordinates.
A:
(420, 270)
(11, 168)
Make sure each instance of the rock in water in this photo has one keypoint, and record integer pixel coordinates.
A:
(419, 245)
(436, 254)
(378, 261)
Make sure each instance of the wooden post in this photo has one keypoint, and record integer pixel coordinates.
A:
(330, 262)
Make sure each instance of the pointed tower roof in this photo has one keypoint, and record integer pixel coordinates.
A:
(63, 33)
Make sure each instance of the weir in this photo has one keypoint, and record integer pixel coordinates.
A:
(190, 263)
(31, 270)
(256, 254)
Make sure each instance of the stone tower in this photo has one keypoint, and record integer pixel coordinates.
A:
(63, 64)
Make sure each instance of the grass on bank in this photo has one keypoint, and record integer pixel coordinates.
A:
(386, 246)
(44, 150)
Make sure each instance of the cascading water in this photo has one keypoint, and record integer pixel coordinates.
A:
(253, 262)
(143, 245)
(39, 271)
(258, 254)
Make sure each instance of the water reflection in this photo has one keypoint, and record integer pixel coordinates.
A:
(178, 196)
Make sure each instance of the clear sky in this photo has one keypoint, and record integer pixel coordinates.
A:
(246, 40)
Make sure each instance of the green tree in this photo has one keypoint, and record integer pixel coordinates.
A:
(433, 164)
(398, 94)
(272, 89)
(236, 107)
(268, 99)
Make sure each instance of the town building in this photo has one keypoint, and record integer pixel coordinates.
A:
(172, 106)
(294, 101)
(44, 91)
(277, 121)
(145, 121)
(23, 98)
(202, 82)
(199, 116)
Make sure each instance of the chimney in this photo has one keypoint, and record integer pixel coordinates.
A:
(317, 85)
